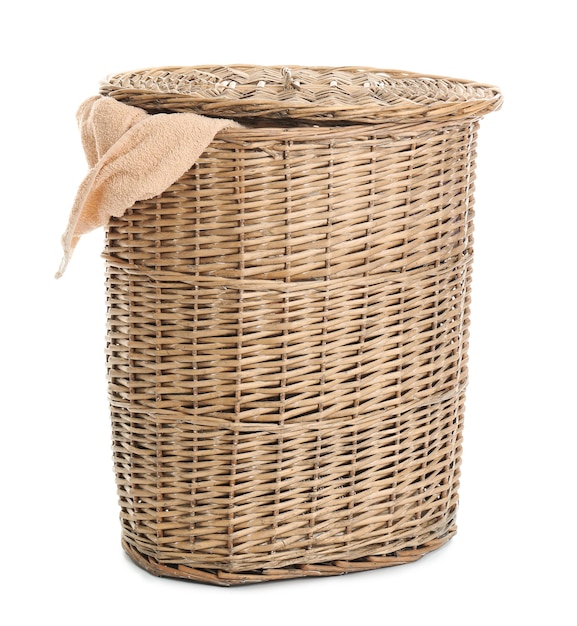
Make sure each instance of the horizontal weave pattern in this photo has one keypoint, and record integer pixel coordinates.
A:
(346, 94)
(287, 346)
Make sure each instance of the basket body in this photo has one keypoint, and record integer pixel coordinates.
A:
(287, 348)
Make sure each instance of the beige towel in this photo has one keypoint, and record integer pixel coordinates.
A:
(132, 156)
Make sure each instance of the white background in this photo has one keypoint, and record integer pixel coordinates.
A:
(513, 559)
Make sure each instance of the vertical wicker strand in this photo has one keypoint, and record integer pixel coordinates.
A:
(433, 427)
(361, 341)
(158, 316)
(194, 349)
(444, 336)
(135, 422)
(323, 348)
(399, 459)
(279, 470)
(446, 327)
(284, 373)
(239, 189)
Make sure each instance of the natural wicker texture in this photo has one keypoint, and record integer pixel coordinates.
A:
(318, 94)
(287, 348)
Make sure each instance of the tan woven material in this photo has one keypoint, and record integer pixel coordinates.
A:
(318, 94)
(287, 342)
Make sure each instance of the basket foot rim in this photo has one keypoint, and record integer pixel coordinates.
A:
(331, 568)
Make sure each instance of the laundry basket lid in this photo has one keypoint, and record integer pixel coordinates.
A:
(316, 94)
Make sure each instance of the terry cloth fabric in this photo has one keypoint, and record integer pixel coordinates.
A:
(132, 156)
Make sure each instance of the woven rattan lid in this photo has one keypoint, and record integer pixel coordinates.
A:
(340, 95)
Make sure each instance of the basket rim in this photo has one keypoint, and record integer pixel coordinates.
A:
(322, 93)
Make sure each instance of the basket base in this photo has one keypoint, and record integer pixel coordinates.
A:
(331, 568)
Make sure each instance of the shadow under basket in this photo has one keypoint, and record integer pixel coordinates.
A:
(288, 323)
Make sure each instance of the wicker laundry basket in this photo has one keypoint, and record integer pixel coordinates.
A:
(288, 323)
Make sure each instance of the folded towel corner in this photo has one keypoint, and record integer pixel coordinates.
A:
(132, 156)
